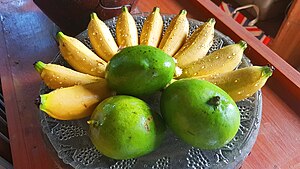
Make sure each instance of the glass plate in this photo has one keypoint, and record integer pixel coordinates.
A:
(71, 141)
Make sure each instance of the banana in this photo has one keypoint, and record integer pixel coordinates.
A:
(197, 45)
(57, 76)
(80, 57)
(74, 102)
(126, 30)
(241, 83)
(220, 61)
(101, 38)
(152, 29)
(175, 34)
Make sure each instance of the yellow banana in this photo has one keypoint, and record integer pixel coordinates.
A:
(126, 30)
(152, 29)
(57, 76)
(175, 34)
(241, 83)
(74, 102)
(197, 45)
(101, 38)
(80, 57)
(220, 61)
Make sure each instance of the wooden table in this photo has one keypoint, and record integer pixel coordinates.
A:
(27, 35)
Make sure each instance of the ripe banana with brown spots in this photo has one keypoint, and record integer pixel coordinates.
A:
(80, 57)
(126, 30)
(197, 45)
(57, 76)
(241, 83)
(74, 102)
(219, 61)
(101, 38)
(152, 29)
(176, 34)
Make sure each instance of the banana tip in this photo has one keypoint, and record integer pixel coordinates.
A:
(93, 15)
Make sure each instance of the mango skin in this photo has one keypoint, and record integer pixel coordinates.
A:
(139, 70)
(126, 128)
(187, 109)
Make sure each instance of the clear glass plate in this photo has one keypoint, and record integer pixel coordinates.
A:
(71, 141)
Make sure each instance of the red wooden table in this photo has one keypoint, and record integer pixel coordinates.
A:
(27, 35)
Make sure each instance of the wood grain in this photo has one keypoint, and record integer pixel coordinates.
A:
(287, 41)
(27, 35)
(278, 142)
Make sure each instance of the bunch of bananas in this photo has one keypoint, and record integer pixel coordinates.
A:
(79, 90)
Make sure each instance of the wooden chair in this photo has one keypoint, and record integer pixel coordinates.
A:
(5, 153)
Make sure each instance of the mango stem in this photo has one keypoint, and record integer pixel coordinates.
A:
(214, 101)
(93, 122)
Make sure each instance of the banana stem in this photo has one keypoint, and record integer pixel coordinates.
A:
(156, 9)
(243, 44)
(59, 35)
(183, 12)
(267, 71)
(211, 20)
(124, 9)
(94, 15)
(39, 66)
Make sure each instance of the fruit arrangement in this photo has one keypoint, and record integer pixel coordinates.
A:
(199, 90)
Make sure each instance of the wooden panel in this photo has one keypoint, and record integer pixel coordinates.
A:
(26, 36)
(277, 144)
(287, 41)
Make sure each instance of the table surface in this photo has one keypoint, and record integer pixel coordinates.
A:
(27, 35)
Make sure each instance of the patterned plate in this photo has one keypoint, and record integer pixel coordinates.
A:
(71, 141)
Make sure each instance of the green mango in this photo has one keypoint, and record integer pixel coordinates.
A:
(139, 70)
(124, 127)
(200, 113)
